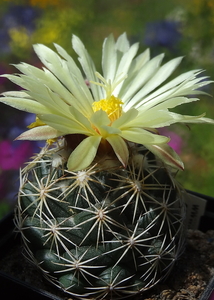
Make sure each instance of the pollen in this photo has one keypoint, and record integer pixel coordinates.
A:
(112, 106)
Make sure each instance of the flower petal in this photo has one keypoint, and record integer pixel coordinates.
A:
(73, 68)
(46, 78)
(109, 58)
(185, 84)
(167, 155)
(100, 121)
(142, 136)
(126, 118)
(133, 83)
(39, 133)
(88, 66)
(122, 43)
(40, 93)
(192, 119)
(71, 79)
(80, 118)
(125, 63)
(152, 118)
(65, 125)
(25, 105)
(84, 153)
(172, 102)
(120, 148)
(100, 118)
(18, 94)
(159, 77)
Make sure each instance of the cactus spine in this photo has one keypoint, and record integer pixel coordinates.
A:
(105, 232)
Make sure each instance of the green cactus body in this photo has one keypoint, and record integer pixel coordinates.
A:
(101, 233)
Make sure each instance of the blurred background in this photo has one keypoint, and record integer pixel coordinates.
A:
(175, 27)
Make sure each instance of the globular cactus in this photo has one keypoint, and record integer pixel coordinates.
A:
(98, 209)
(103, 232)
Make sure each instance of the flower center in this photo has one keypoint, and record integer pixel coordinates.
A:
(112, 106)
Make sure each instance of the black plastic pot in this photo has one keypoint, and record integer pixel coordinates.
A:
(201, 214)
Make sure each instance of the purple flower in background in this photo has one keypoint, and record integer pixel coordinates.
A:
(175, 142)
(162, 34)
(14, 154)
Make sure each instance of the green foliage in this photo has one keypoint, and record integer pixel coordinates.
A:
(197, 151)
(4, 209)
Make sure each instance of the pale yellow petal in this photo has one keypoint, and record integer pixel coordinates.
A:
(39, 133)
(126, 118)
(65, 125)
(100, 118)
(192, 119)
(142, 136)
(108, 130)
(120, 148)
(88, 66)
(167, 155)
(84, 153)
(151, 119)
(25, 105)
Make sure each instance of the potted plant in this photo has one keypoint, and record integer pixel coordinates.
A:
(99, 210)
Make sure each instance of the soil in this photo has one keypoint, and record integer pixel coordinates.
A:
(190, 276)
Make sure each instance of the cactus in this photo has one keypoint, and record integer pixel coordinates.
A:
(101, 232)
(99, 210)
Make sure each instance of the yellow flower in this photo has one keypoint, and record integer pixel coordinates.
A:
(127, 103)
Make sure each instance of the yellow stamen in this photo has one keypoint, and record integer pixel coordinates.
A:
(37, 123)
(112, 106)
(51, 141)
